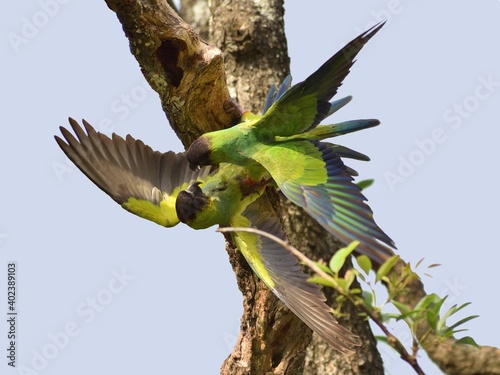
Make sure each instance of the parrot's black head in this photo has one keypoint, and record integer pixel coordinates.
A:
(199, 153)
(190, 202)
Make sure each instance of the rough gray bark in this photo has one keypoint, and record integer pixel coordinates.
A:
(190, 78)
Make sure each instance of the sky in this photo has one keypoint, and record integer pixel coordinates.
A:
(102, 291)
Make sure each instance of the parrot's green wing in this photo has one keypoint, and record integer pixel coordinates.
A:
(315, 178)
(273, 96)
(306, 104)
(143, 181)
(282, 273)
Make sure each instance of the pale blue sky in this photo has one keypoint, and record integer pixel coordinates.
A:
(432, 76)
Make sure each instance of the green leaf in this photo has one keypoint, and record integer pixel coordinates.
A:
(386, 267)
(401, 307)
(368, 298)
(435, 306)
(462, 321)
(462, 306)
(365, 183)
(432, 319)
(388, 316)
(409, 317)
(426, 301)
(442, 322)
(321, 281)
(342, 285)
(355, 291)
(467, 340)
(338, 259)
(349, 278)
(364, 263)
(449, 332)
(432, 315)
(324, 268)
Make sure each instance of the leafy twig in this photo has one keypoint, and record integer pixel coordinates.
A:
(391, 339)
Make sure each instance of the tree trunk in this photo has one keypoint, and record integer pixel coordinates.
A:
(251, 36)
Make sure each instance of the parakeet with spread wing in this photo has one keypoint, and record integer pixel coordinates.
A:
(284, 142)
(161, 187)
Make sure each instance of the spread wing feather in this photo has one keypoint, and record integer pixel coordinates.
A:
(141, 180)
(306, 104)
(328, 194)
(289, 282)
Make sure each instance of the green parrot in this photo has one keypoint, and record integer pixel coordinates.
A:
(284, 144)
(162, 188)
